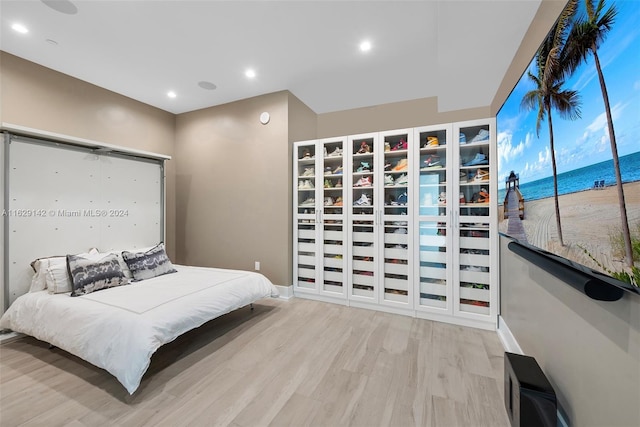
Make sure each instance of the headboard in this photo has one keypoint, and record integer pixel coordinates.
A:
(63, 198)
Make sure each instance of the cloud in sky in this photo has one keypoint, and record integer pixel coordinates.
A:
(506, 149)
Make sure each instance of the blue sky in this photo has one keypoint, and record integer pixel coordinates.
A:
(585, 141)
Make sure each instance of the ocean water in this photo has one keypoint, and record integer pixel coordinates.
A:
(580, 179)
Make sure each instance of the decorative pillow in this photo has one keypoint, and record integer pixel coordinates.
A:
(90, 275)
(51, 273)
(152, 263)
(123, 265)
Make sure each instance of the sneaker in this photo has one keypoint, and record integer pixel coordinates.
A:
(463, 200)
(462, 139)
(336, 153)
(387, 147)
(305, 154)
(402, 145)
(402, 199)
(364, 148)
(432, 141)
(388, 180)
(402, 179)
(365, 181)
(479, 159)
(328, 201)
(432, 162)
(463, 176)
(325, 152)
(309, 184)
(338, 202)
(483, 135)
(327, 170)
(481, 175)
(363, 201)
(402, 165)
(339, 184)
(308, 202)
(364, 167)
(309, 172)
(442, 198)
(327, 184)
(400, 231)
(387, 166)
(338, 170)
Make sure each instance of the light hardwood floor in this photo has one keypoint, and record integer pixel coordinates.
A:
(287, 363)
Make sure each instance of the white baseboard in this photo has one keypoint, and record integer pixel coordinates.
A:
(286, 292)
(509, 342)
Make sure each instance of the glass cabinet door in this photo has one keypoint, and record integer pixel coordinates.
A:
(363, 218)
(307, 216)
(434, 217)
(473, 217)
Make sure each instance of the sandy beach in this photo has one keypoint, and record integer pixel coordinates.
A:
(588, 218)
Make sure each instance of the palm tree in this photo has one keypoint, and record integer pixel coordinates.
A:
(585, 38)
(548, 93)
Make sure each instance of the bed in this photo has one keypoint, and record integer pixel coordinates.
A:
(119, 328)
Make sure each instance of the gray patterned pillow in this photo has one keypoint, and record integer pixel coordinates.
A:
(90, 275)
(152, 263)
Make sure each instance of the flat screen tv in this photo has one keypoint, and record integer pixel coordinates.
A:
(586, 231)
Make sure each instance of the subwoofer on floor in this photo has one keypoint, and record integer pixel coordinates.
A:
(528, 396)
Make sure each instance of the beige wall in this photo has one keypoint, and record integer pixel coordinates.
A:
(40, 98)
(233, 187)
(589, 350)
(397, 115)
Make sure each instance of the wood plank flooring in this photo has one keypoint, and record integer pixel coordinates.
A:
(287, 363)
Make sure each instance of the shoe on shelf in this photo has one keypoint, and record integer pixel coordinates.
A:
(363, 201)
(338, 202)
(364, 167)
(462, 139)
(432, 141)
(328, 201)
(463, 200)
(328, 184)
(387, 166)
(481, 175)
(442, 198)
(305, 154)
(309, 184)
(365, 181)
(325, 152)
(483, 196)
(402, 145)
(364, 148)
(309, 172)
(308, 202)
(463, 176)
(479, 159)
(402, 179)
(432, 162)
(336, 153)
(483, 135)
(400, 231)
(327, 170)
(402, 165)
(388, 180)
(402, 199)
(387, 147)
(339, 183)
(338, 170)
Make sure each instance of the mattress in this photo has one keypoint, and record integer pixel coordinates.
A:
(118, 329)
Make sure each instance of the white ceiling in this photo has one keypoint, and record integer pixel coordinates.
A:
(458, 51)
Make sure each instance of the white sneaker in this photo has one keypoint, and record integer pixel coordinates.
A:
(363, 201)
(308, 184)
(336, 153)
(309, 172)
(402, 179)
(365, 181)
(325, 151)
(388, 180)
(328, 201)
(308, 202)
(400, 231)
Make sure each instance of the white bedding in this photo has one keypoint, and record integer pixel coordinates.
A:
(119, 329)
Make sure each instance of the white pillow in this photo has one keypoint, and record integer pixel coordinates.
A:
(52, 273)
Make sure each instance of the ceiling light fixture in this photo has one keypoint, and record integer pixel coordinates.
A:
(365, 46)
(171, 94)
(250, 73)
(19, 28)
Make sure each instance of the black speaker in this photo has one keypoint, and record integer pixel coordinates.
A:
(528, 395)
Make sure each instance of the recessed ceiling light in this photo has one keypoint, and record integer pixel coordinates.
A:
(365, 46)
(20, 28)
(171, 94)
(62, 6)
(207, 85)
(250, 73)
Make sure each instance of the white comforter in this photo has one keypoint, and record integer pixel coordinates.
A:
(119, 329)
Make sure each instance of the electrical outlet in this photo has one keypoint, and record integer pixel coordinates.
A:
(257, 267)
